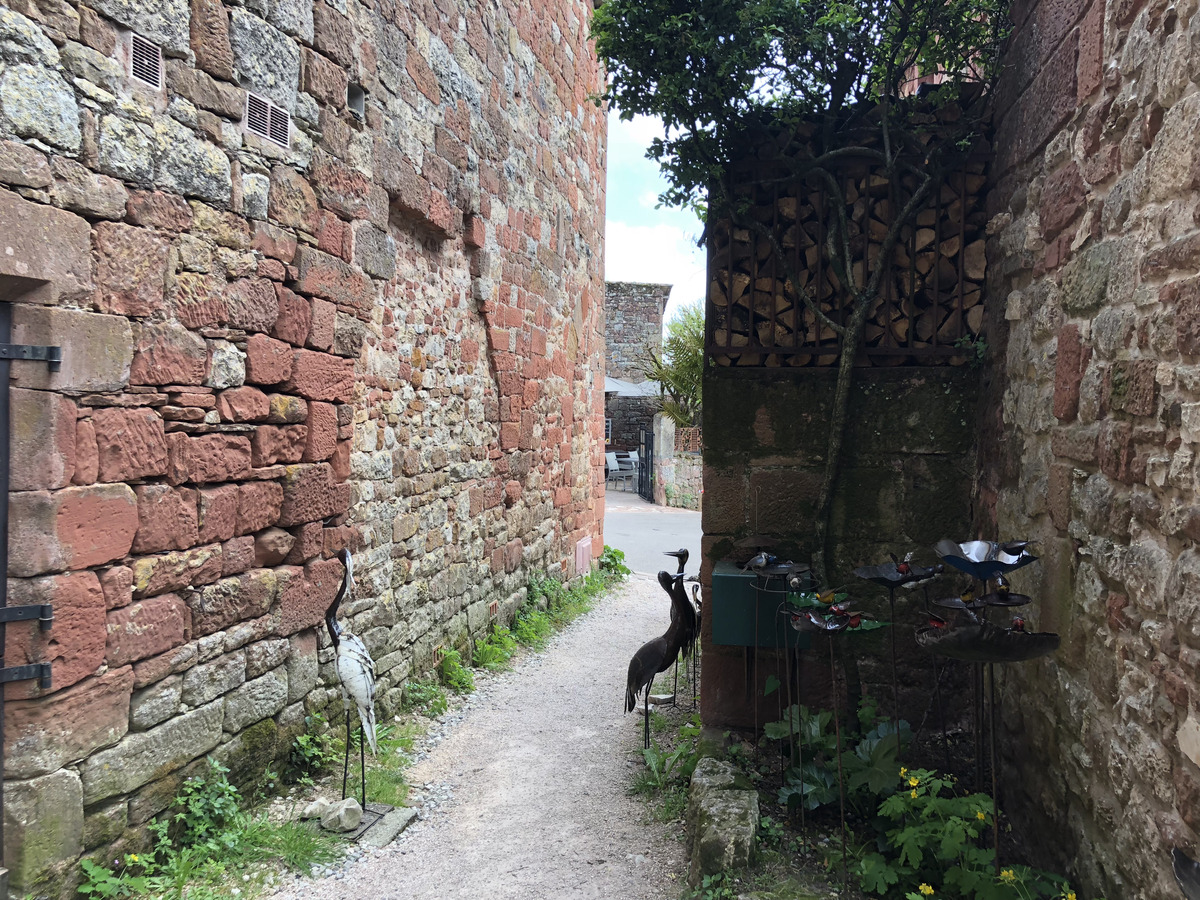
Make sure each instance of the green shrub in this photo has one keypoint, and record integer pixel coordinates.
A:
(426, 696)
(454, 674)
(493, 651)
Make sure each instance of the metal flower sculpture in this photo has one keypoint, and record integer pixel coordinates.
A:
(970, 639)
(984, 559)
(898, 573)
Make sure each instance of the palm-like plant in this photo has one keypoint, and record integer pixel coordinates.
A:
(679, 368)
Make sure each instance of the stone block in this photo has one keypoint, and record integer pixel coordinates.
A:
(164, 23)
(256, 700)
(292, 202)
(286, 409)
(263, 656)
(207, 458)
(322, 432)
(75, 645)
(148, 755)
(189, 165)
(45, 253)
(105, 825)
(239, 555)
(82, 191)
(156, 209)
(295, 317)
(324, 322)
(167, 353)
(21, 165)
(302, 669)
(1064, 196)
(226, 367)
(74, 528)
(342, 189)
(218, 512)
(267, 60)
(210, 680)
(333, 34)
(333, 279)
(130, 444)
(42, 440)
(268, 361)
(273, 444)
(177, 570)
(234, 599)
(43, 735)
(1173, 163)
(209, 27)
(307, 595)
(43, 827)
(167, 518)
(204, 91)
(131, 268)
(38, 103)
(155, 704)
(272, 546)
(251, 304)
(243, 404)
(258, 505)
(116, 583)
(146, 628)
(324, 80)
(1085, 279)
(349, 335)
(1130, 387)
(198, 300)
(321, 376)
(1184, 297)
(125, 150)
(722, 820)
(310, 493)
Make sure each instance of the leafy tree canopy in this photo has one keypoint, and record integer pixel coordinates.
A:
(679, 369)
(708, 68)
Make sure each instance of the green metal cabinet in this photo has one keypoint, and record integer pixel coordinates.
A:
(745, 610)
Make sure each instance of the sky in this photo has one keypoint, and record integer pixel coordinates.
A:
(643, 243)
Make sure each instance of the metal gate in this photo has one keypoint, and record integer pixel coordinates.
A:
(646, 466)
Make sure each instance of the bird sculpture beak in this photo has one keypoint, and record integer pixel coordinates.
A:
(348, 562)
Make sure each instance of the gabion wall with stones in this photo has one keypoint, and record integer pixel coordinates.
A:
(1092, 430)
(385, 336)
(633, 323)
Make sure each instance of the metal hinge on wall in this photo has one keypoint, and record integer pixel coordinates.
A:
(51, 355)
(44, 613)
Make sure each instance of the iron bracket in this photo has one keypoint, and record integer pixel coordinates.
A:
(41, 671)
(43, 612)
(51, 355)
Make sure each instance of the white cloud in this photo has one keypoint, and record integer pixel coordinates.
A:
(657, 254)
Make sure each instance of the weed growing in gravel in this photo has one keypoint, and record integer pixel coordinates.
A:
(385, 776)
(212, 841)
(310, 754)
(454, 674)
(493, 651)
(425, 696)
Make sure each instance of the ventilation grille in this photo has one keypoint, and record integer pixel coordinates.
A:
(145, 61)
(268, 121)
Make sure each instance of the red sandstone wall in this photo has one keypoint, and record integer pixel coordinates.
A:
(388, 337)
(1090, 439)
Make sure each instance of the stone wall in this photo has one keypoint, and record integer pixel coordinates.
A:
(906, 475)
(678, 473)
(1092, 428)
(386, 335)
(630, 416)
(633, 322)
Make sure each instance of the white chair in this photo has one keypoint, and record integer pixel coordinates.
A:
(617, 470)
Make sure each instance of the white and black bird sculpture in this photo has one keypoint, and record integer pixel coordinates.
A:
(356, 672)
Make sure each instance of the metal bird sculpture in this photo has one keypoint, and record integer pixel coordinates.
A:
(984, 560)
(682, 555)
(356, 672)
(1187, 873)
(657, 655)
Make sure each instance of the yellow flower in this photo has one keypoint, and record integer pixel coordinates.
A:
(926, 890)
(133, 857)
(1008, 875)
(914, 781)
(979, 815)
(1070, 895)
(914, 795)
(903, 771)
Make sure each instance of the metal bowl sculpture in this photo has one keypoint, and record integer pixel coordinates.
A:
(984, 559)
(996, 598)
(837, 617)
(973, 640)
(892, 575)
(1187, 873)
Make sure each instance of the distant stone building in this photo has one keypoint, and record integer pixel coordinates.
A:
(633, 325)
(323, 276)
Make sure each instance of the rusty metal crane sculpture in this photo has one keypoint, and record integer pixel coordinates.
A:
(657, 655)
(356, 672)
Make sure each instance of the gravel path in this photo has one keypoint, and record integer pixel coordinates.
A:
(524, 788)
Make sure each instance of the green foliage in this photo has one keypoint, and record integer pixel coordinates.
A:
(932, 844)
(426, 696)
(868, 759)
(495, 649)
(679, 368)
(975, 349)
(713, 887)
(310, 753)
(212, 842)
(612, 563)
(532, 626)
(454, 674)
(770, 832)
(708, 68)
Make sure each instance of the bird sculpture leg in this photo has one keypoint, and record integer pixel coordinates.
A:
(646, 734)
(675, 689)
(346, 761)
(362, 758)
